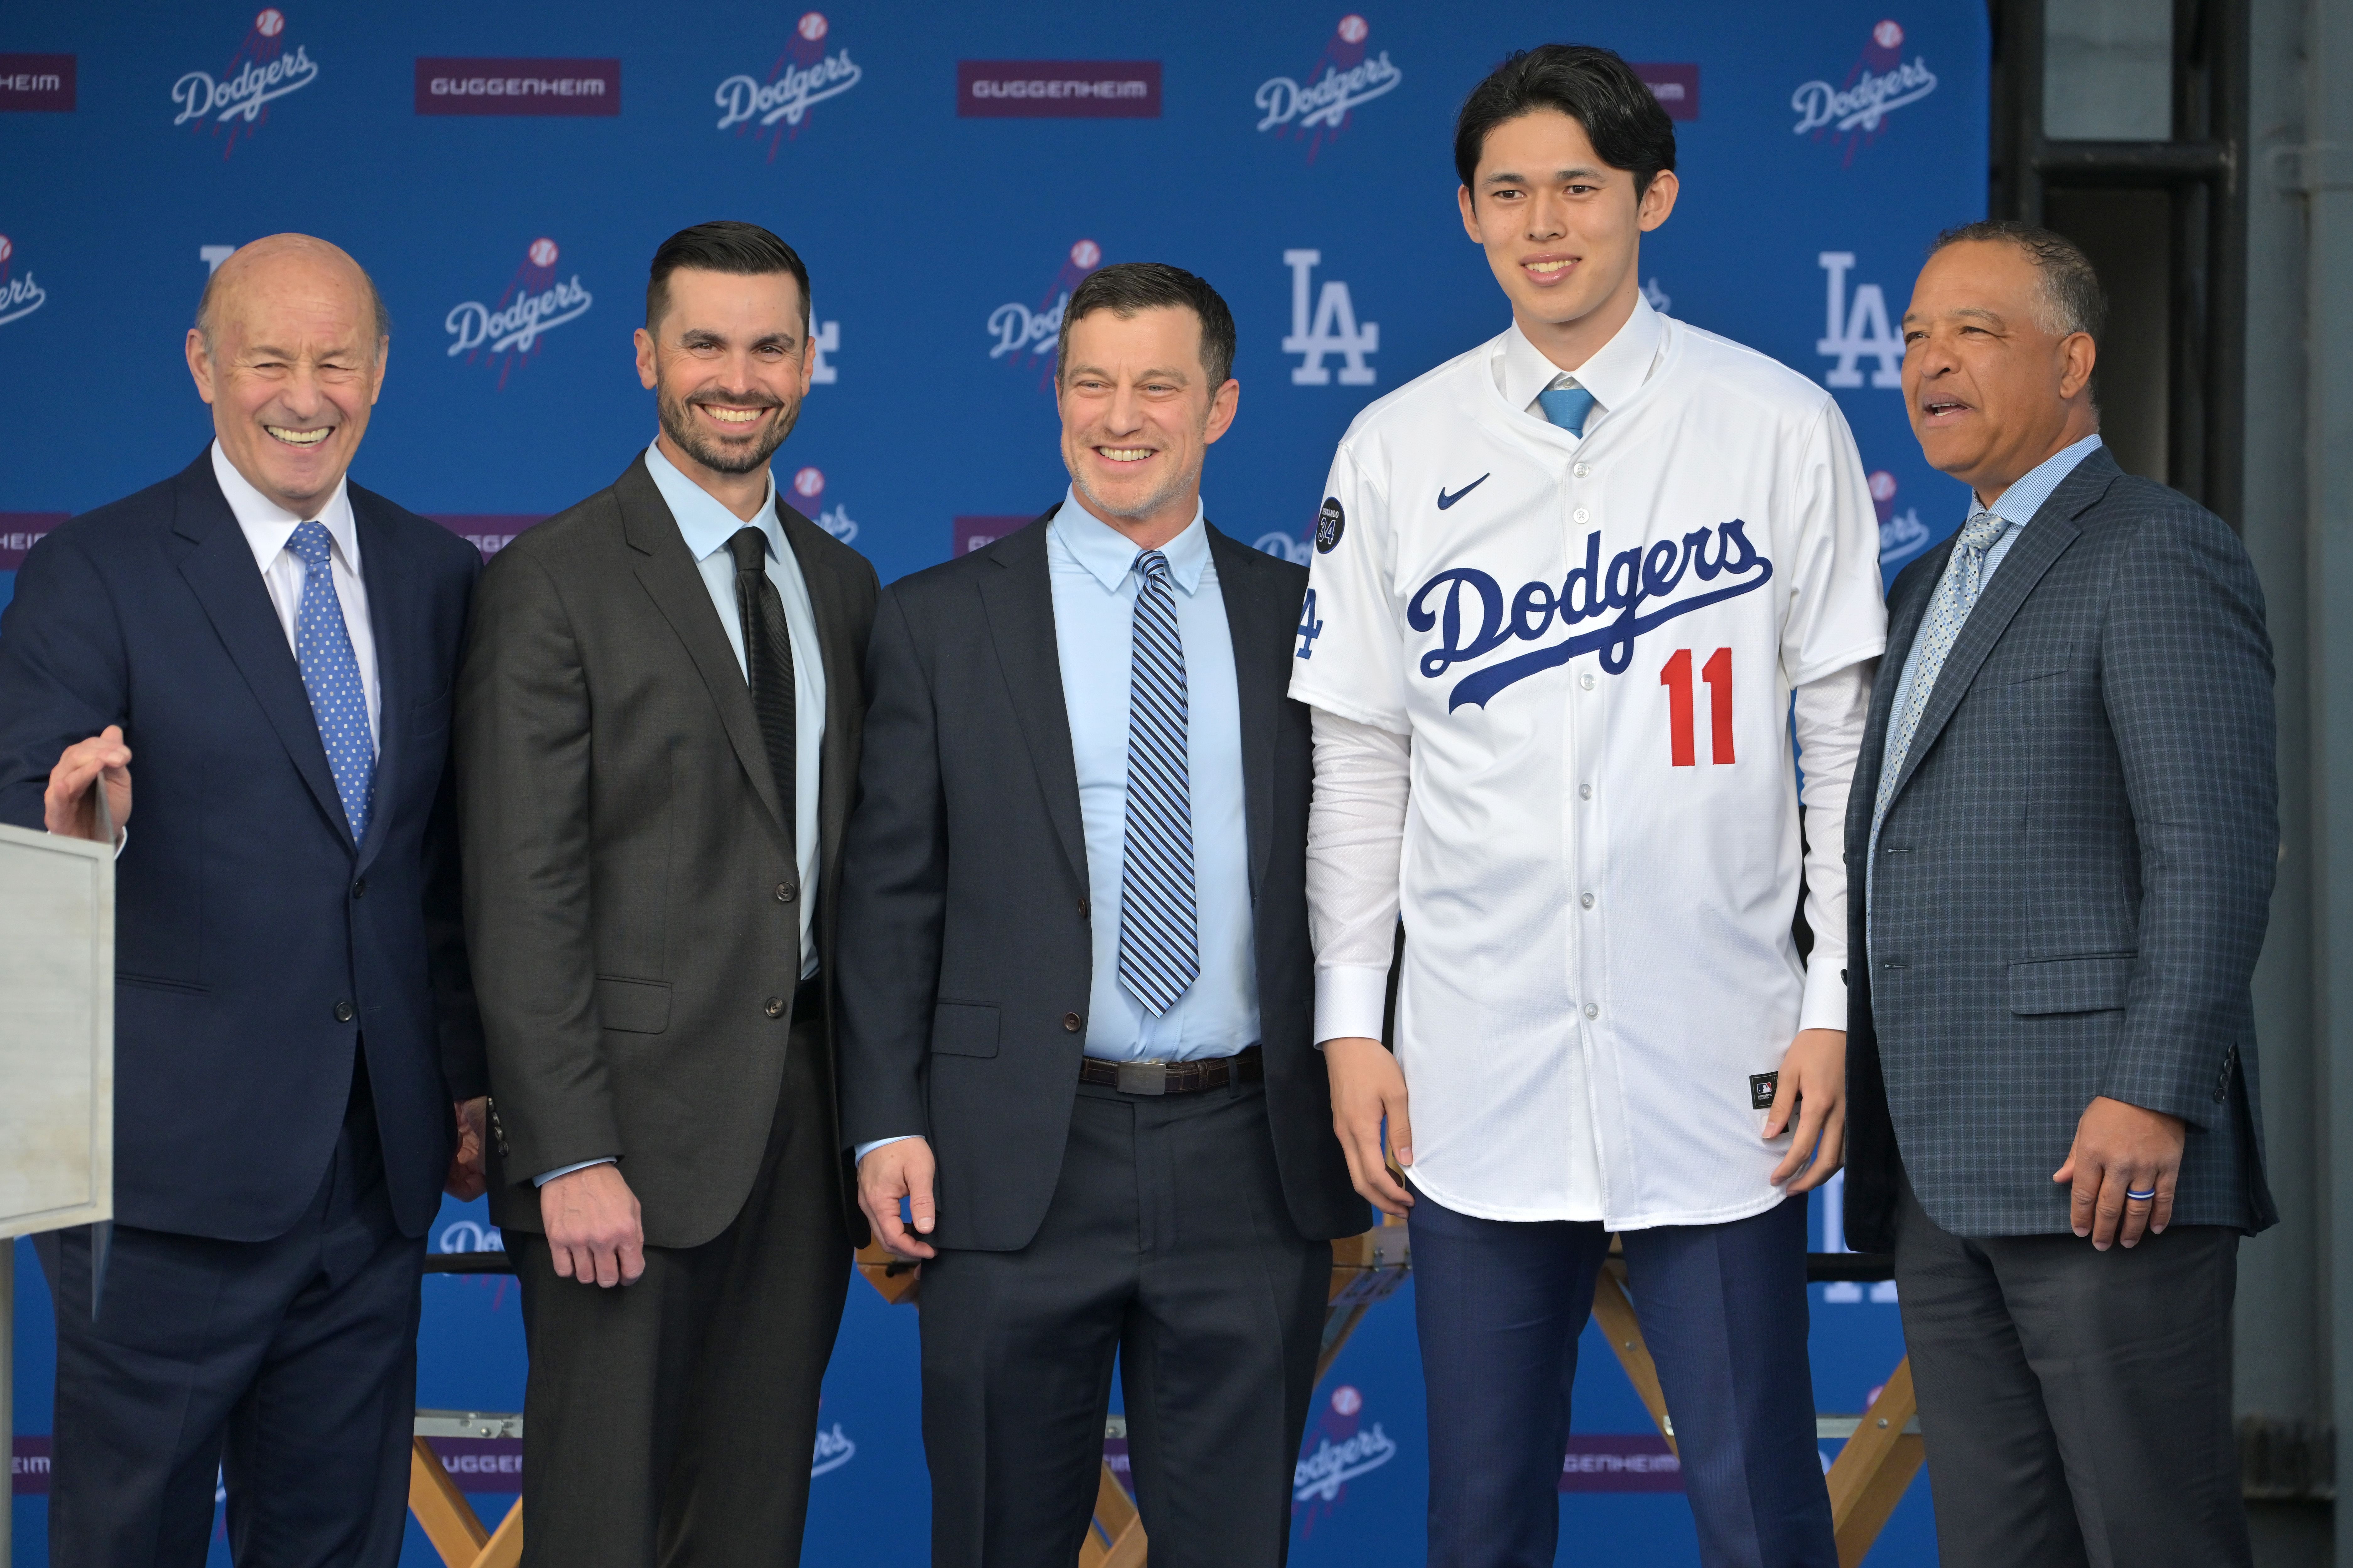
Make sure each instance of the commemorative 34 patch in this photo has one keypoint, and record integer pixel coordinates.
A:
(1329, 522)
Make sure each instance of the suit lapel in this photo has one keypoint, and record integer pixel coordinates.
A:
(1018, 599)
(392, 607)
(2041, 542)
(675, 584)
(1251, 618)
(844, 711)
(221, 572)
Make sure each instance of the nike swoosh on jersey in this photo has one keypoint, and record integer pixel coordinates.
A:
(1445, 501)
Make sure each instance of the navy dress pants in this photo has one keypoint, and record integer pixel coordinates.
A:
(287, 1367)
(1499, 1305)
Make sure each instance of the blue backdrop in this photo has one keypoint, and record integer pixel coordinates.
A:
(948, 172)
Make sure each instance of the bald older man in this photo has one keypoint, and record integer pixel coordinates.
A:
(268, 649)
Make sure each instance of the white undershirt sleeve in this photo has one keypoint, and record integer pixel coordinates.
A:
(1830, 714)
(1356, 833)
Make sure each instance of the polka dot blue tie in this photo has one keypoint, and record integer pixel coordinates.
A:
(331, 674)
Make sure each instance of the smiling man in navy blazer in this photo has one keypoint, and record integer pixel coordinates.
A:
(293, 1018)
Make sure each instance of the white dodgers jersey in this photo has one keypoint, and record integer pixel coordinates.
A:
(1591, 645)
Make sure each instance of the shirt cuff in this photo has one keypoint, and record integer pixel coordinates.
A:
(1350, 1001)
(867, 1148)
(547, 1176)
(1824, 1006)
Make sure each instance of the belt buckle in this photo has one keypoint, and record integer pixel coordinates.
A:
(1144, 1077)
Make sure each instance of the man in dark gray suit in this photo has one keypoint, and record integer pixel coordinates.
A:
(2063, 830)
(1076, 980)
(658, 729)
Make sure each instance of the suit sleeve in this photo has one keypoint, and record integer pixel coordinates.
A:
(455, 1012)
(2187, 677)
(524, 825)
(893, 893)
(64, 674)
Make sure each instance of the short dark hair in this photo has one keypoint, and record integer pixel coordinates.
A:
(2073, 301)
(1594, 87)
(1125, 288)
(723, 245)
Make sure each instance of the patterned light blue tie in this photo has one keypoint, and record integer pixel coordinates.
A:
(331, 674)
(1159, 944)
(1957, 595)
(1568, 406)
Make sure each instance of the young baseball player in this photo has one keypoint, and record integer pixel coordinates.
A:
(1565, 588)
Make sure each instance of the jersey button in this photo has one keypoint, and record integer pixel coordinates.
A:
(1581, 514)
(1586, 901)
(1585, 680)
(1592, 1010)
(1580, 470)
(1585, 791)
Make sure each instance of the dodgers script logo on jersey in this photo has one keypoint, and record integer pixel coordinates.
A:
(260, 71)
(534, 301)
(1465, 606)
(805, 75)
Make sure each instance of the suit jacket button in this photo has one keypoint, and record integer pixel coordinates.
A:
(787, 892)
(775, 1007)
(1070, 1023)
(1083, 910)
(344, 1011)
(359, 889)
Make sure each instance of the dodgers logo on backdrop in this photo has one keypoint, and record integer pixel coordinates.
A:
(1878, 84)
(808, 496)
(470, 1235)
(834, 1449)
(1345, 76)
(1859, 330)
(1899, 537)
(1332, 330)
(1344, 1449)
(1027, 336)
(1465, 606)
(19, 295)
(804, 76)
(534, 302)
(261, 71)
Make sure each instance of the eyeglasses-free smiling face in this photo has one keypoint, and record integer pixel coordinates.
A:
(1138, 417)
(728, 363)
(288, 356)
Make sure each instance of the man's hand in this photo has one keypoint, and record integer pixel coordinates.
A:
(1367, 1086)
(903, 1169)
(466, 1179)
(593, 1227)
(1814, 1084)
(71, 806)
(2119, 1149)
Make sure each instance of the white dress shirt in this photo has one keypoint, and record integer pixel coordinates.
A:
(266, 527)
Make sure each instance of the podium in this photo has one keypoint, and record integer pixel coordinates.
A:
(57, 1061)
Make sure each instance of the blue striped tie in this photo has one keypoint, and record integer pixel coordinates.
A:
(1568, 406)
(331, 674)
(1159, 945)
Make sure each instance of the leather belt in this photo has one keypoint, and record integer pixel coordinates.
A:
(1174, 1077)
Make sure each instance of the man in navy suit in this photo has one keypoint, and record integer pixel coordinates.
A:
(2062, 838)
(293, 1018)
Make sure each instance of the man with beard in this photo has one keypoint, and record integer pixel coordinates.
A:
(658, 732)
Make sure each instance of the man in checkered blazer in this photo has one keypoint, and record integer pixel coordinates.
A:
(2062, 838)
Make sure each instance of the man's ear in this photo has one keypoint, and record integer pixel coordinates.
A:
(1470, 214)
(2080, 356)
(1657, 201)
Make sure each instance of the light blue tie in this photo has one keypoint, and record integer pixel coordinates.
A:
(1159, 944)
(1568, 406)
(331, 674)
(1957, 595)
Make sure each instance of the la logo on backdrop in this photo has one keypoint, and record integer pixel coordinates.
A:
(1879, 83)
(1026, 336)
(534, 302)
(261, 70)
(805, 75)
(1344, 76)
(19, 295)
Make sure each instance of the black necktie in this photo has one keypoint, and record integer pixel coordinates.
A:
(768, 659)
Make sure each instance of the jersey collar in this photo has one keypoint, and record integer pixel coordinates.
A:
(1614, 374)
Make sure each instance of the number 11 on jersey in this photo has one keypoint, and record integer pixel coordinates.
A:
(1677, 678)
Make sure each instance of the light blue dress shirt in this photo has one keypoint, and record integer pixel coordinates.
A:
(2016, 508)
(706, 525)
(1090, 567)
